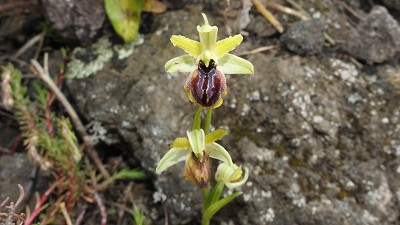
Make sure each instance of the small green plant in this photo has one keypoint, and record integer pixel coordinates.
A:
(207, 61)
(53, 146)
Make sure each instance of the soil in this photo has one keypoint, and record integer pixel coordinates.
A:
(318, 124)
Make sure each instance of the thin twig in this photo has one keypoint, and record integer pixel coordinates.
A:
(65, 214)
(257, 50)
(45, 77)
(348, 8)
(275, 23)
(28, 45)
(4, 202)
(21, 196)
(80, 216)
(286, 10)
(99, 201)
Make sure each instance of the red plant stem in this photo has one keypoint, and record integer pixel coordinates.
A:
(40, 203)
(15, 144)
(50, 96)
(71, 196)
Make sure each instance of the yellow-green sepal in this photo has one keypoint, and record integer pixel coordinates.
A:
(226, 45)
(182, 64)
(215, 135)
(190, 46)
(231, 64)
(180, 143)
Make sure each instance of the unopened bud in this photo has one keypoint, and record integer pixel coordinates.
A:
(198, 172)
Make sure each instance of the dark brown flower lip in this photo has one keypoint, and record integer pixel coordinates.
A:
(206, 84)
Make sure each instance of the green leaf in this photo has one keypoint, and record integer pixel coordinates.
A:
(215, 207)
(138, 216)
(125, 17)
(129, 174)
(215, 194)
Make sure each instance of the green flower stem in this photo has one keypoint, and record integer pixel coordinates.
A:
(211, 198)
(207, 125)
(197, 119)
(206, 195)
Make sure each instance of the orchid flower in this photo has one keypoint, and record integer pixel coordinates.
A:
(207, 61)
(196, 149)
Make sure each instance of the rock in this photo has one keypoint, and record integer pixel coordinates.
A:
(75, 20)
(392, 4)
(15, 169)
(305, 37)
(320, 137)
(375, 39)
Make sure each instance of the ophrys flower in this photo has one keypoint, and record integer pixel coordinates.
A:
(207, 61)
(196, 149)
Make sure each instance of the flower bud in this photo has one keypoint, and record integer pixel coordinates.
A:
(231, 175)
(198, 171)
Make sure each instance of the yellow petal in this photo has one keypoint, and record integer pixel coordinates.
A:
(190, 46)
(226, 45)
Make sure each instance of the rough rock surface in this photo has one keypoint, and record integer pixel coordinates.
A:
(376, 37)
(320, 136)
(305, 37)
(392, 4)
(75, 20)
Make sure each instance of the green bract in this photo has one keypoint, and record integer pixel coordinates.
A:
(208, 48)
(196, 143)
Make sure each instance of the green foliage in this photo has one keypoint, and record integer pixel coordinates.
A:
(49, 139)
(216, 206)
(125, 17)
(131, 174)
(138, 216)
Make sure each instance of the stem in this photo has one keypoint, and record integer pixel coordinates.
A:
(211, 198)
(197, 119)
(207, 125)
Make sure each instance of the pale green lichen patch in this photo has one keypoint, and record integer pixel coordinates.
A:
(123, 51)
(88, 61)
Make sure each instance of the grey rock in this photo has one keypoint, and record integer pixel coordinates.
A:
(305, 37)
(75, 20)
(375, 39)
(15, 169)
(320, 137)
(392, 4)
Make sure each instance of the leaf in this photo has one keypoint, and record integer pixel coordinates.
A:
(129, 174)
(138, 216)
(215, 207)
(125, 17)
